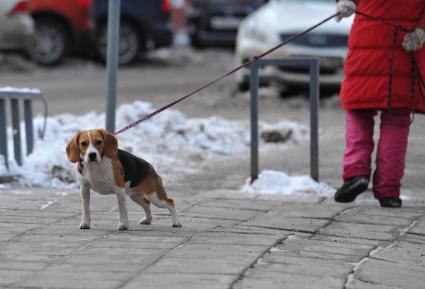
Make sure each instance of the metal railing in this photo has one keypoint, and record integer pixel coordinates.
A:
(313, 65)
(15, 95)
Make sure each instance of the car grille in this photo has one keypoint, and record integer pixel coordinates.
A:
(318, 40)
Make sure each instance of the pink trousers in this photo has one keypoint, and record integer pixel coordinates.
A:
(391, 151)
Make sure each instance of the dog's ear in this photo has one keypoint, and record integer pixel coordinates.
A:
(111, 144)
(73, 149)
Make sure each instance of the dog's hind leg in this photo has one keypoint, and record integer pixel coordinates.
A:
(161, 200)
(175, 216)
(139, 199)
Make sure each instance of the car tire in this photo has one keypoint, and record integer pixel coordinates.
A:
(129, 44)
(243, 86)
(293, 90)
(196, 42)
(50, 42)
(325, 92)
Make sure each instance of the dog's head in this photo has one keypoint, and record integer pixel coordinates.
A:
(91, 146)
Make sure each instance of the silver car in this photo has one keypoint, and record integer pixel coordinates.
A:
(275, 22)
(16, 26)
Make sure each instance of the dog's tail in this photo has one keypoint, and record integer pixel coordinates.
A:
(162, 194)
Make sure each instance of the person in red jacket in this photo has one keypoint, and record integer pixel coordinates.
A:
(384, 73)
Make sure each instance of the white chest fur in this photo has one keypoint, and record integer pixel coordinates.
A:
(100, 176)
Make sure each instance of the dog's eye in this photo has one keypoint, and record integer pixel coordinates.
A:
(98, 142)
(84, 143)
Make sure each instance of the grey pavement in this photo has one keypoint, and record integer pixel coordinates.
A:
(227, 241)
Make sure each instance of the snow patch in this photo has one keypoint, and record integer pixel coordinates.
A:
(274, 183)
(170, 141)
(8, 89)
(48, 204)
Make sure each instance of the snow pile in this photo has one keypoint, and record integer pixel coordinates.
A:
(170, 141)
(172, 131)
(8, 89)
(274, 183)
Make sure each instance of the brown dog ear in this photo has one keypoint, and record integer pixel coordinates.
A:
(73, 149)
(111, 144)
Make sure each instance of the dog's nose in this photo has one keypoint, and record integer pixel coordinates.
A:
(92, 156)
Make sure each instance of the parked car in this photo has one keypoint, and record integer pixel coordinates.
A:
(16, 26)
(279, 19)
(215, 22)
(145, 25)
(60, 27)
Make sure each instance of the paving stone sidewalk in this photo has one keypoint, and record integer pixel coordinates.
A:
(225, 242)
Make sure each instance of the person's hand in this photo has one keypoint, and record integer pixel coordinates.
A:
(345, 8)
(414, 40)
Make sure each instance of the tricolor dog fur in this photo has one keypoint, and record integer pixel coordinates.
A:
(105, 169)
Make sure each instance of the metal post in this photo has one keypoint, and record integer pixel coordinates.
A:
(112, 61)
(3, 133)
(313, 64)
(29, 129)
(314, 119)
(254, 82)
(16, 131)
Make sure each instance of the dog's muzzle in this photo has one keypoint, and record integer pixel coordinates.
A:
(92, 157)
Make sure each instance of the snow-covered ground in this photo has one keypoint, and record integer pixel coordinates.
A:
(170, 141)
(276, 184)
(8, 89)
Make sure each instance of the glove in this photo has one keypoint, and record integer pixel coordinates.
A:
(414, 40)
(345, 8)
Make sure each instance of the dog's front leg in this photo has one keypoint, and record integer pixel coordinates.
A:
(85, 197)
(122, 208)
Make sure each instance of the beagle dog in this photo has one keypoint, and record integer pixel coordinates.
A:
(105, 169)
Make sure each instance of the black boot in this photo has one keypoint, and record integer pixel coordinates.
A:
(390, 202)
(351, 189)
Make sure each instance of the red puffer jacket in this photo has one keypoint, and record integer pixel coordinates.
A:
(368, 61)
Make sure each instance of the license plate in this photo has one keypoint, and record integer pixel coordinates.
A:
(225, 22)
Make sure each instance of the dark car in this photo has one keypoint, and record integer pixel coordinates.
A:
(215, 22)
(145, 25)
(60, 27)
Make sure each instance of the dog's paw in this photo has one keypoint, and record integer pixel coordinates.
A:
(177, 225)
(122, 227)
(145, 221)
(84, 226)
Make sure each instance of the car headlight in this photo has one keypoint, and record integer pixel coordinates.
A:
(252, 30)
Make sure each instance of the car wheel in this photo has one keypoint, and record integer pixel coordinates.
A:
(329, 91)
(196, 42)
(325, 92)
(293, 90)
(50, 42)
(243, 85)
(129, 44)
